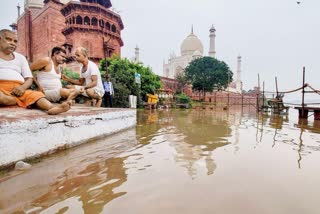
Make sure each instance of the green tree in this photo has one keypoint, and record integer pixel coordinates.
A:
(122, 76)
(182, 81)
(207, 74)
(71, 74)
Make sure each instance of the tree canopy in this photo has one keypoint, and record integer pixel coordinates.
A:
(122, 72)
(207, 74)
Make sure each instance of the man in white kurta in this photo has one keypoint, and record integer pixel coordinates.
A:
(90, 82)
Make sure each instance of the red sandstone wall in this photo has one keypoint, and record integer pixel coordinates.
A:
(22, 48)
(92, 41)
(46, 30)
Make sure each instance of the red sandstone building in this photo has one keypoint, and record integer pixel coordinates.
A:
(87, 23)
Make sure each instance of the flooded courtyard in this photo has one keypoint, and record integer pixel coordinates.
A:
(180, 161)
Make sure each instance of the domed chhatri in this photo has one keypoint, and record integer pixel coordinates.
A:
(190, 45)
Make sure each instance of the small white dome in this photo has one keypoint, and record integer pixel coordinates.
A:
(191, 44)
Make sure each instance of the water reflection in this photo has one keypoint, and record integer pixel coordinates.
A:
(94, 185)
(193, 134)
(87, 175)
(181, 161)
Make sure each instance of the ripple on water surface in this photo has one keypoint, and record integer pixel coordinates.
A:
(180, 161)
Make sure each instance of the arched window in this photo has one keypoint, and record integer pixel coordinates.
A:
(86, 20)
(79, 20)
(94, 21)
(70, 21)
(101, 23)
(108, 25)
(113, 29)
(73, 20)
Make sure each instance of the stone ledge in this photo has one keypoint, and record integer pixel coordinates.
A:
(29, 133)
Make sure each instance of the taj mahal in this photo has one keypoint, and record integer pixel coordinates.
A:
(192, 48)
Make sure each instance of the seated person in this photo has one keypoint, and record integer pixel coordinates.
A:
(48, 79)
(16, 79)
(90, 83)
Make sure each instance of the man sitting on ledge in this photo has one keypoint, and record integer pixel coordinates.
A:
(90, 83)
(16, 79)
(48, 78)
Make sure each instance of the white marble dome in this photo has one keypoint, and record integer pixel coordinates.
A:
(197, 53)
(39, 3)
(33, 3)
(190, 45)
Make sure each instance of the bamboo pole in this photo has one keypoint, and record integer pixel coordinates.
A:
(276, 80)
(303, 82)
(258, 93)
(228, 88)
(263, 96)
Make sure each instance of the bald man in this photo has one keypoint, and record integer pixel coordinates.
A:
(90, 82)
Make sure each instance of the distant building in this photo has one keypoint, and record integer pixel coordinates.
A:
(190, 49)
(88, 23)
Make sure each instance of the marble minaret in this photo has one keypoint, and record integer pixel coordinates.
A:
(136, 52)
(238, 81)
(212, 36)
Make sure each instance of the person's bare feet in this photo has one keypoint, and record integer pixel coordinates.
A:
(98, 103)
(94, 101)
(7, 100)
(88, 102)
(63, 107)
(70, 102)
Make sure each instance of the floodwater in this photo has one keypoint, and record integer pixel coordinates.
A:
(180, 161)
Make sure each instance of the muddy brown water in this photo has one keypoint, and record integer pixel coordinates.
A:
(180, 161)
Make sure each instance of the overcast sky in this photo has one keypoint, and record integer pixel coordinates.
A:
(274, 37)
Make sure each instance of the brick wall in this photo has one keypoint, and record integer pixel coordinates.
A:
(46, 30)
(22, 38)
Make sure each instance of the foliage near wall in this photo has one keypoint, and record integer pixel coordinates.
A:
(122, 73)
